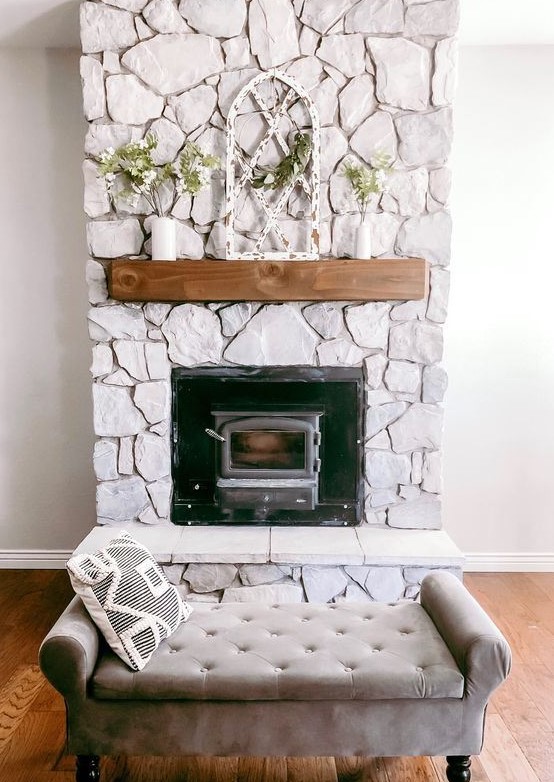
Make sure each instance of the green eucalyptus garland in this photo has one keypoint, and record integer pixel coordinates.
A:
(289, 169)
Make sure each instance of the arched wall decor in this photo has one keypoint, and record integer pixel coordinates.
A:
(241, 168)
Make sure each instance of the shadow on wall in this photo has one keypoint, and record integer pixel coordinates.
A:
(58, 26)
(47, 431)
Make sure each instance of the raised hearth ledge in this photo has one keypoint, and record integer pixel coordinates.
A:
(287, 545)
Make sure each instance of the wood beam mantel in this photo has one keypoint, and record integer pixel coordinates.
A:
(333, 279)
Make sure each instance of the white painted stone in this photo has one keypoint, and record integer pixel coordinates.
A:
(152, 456)
(121, 500)
(194, 107)
(209, 204)
(440, 180)
(419, 427)
(375, 16)
(338, 77)
(130, 5)
(163, 17)
(116, 322)
(230, 84)
(266, 593)
(444, 76)
(375, 134)
(379, 397)
(215, 246)
(162, 428)
(157, 363)
(402, 376)
(236, 316)
(423, 513)
(409, 191)
(189, 242)
(272, 29)
(306, 71)
(160, 494)
(104, 28)
(322, 584)
(340, 353)
(384, 229)
(315, 546)
(353, 594)
(417, 467)
(130, 356)
(131, 102)
(425, 139)
(276, 335)
(213, 140)
(153, 401)
(343, 52)
(173, 573)
(102, 360)
(155, 334)
(374, 367)
(119, 378)
(96, 199)
(205, 577)
(96, 282)
(409, 310)
(253, 575)
(325, 318)
(321, 15)
(126, 462)
(182, 207)
(170, 141)
(114, 238)
(334, 147)
(434, 384)
(427, 236)
(210, 17)
(174, 63)
(432, 473)
(99, 137)
(237, 52)
(309, 41)
(369, 324)
(377, 418)
(385, 584)
(438, 297)
(416, 341)
(409, 492)
(357, 102)
(110, 62)
(94, 96)
(415, 575)
(436, 18)
(194, 335)
(385, 469)
(143, 31)
(114, 413)
(104, 460)
(341, 194)
(358, 573)
(156, 312)
(403, 72)
(223, 544)
(382, 497)
(325, 99)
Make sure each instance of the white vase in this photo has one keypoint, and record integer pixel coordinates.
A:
(363, 241)
(164, 244)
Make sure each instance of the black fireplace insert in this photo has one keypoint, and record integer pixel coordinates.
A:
(279, 445)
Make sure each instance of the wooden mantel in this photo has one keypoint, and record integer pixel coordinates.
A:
(342, 279)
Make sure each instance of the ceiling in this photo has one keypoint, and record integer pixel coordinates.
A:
(54, 23)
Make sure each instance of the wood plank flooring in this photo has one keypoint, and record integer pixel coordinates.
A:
(519, 745)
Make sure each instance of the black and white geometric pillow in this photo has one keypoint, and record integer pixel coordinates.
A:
(128, 597)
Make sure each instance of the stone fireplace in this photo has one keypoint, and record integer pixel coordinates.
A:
(381, 75)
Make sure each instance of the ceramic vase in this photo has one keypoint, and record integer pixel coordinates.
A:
(164, 244)
(363, 241)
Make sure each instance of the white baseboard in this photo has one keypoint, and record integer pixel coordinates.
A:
(509, 563)
(33, 559)
(476, 562)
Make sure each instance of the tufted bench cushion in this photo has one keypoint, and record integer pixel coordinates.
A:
(255, 652)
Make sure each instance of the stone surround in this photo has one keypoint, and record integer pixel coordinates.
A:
(382, 76)
(291, 564)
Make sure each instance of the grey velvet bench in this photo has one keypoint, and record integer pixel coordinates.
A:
(249, 679)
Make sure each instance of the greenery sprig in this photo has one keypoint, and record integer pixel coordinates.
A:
(366, 181)
(289, 169)
(143, 177)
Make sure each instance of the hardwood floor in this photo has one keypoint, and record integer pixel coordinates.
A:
(519, 745)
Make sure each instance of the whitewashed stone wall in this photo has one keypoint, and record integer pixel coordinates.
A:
(382, 74)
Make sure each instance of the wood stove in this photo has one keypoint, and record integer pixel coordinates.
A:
(267, 446)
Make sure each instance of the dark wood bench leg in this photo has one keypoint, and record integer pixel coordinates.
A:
(457, 768)
(87, 768)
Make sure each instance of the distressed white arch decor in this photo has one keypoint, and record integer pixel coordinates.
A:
(241, 167)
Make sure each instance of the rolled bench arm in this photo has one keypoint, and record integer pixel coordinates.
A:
(479, 648)
(69, 652)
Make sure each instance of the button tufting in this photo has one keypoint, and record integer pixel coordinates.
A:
(203, 670)
(339, 633)
(348, 670)
(274, 635)
(241, 651)
(277, 670)
(308, 651)
(375, 650)
(418, 668)
(172, 651)
(244, 621)
(305, 620)
(209, 635)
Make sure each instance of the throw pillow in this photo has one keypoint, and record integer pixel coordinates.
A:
(128, 597)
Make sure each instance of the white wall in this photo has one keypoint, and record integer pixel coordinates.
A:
(46, 480)
(499, 430)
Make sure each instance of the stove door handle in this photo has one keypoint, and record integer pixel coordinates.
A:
(215, 435)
